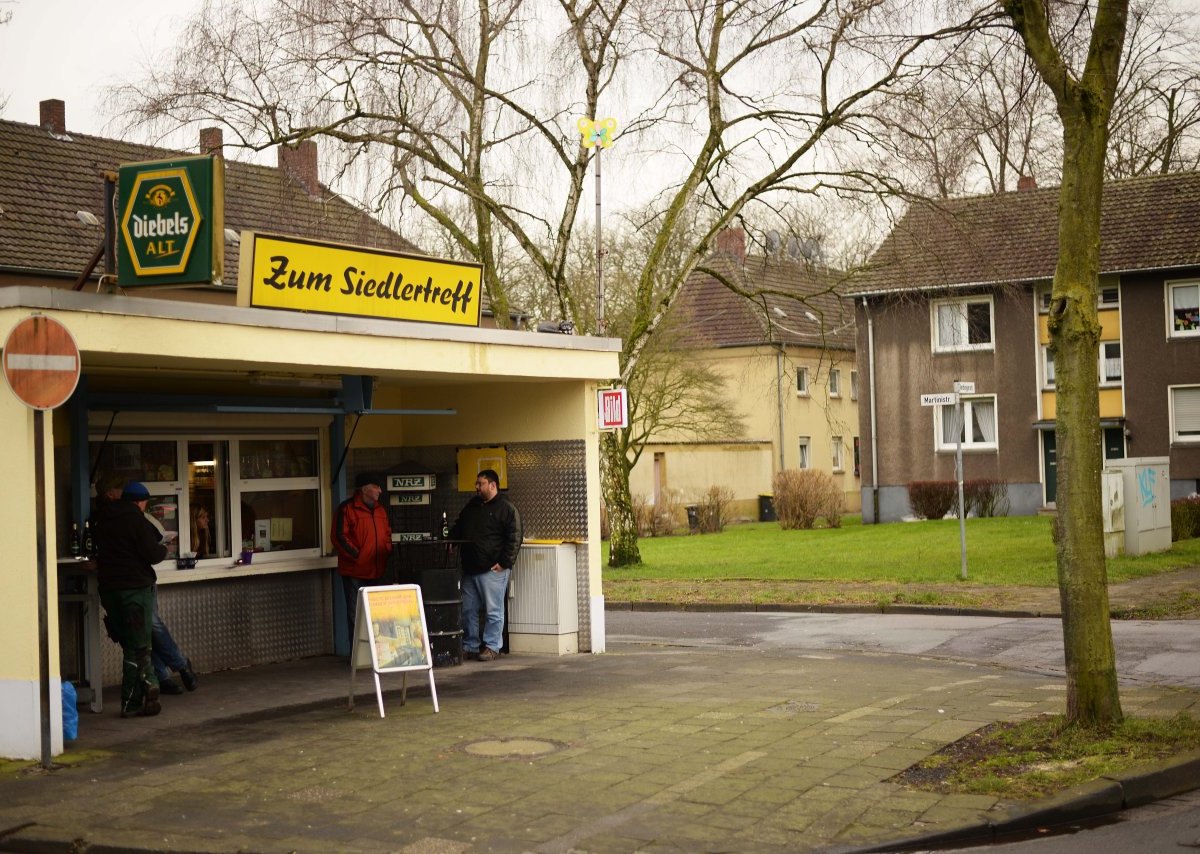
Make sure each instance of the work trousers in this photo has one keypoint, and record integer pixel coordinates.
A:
(129, 617)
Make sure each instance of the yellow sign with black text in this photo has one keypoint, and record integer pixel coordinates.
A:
(332, 278)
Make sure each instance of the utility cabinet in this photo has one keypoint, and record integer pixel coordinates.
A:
(544, 600)
(1146, 487)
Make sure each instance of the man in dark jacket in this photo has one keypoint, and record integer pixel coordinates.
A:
(491, 527)
(127, 547)
(362, 538)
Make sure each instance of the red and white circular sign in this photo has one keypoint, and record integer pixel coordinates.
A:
(41, 362)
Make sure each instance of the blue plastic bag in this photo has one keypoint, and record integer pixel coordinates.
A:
(70, 712)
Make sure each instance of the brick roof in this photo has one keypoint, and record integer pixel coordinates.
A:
(711, 315)
(45, 178)
(1148, 223)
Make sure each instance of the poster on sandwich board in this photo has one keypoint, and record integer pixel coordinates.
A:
(390, 636)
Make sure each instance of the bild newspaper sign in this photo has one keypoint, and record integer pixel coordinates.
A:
(612, 408)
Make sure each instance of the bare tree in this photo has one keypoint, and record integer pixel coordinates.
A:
(1077, 50)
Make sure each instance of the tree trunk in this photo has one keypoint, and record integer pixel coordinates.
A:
(1092, 694)
(614, 484)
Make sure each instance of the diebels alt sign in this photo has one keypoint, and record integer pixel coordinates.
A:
(172, 222)
(330, 278)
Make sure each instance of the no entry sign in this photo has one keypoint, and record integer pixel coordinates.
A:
(41, 362)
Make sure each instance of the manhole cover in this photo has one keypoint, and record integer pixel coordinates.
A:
(518, 747)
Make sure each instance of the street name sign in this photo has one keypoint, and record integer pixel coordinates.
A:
(946, 398)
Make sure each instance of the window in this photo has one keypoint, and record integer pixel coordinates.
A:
(1043, 301)
(1184, 305)
(805, 461)
(857, 457)
(222, 495)
(835, 382)
(1110, 363)
(1110, 296)
(854, 385)
(979, 416)
(802, 381)
(1185, 414)
(1047, 367)
(962, 324)
(835, 444)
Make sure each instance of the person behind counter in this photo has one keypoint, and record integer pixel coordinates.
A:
(491, 526)
(362, 538)
(127, 548)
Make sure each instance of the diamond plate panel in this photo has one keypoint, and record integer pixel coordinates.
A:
(243, 621)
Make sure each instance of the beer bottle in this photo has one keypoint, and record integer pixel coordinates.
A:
(75, 544)
(89, 544)
(445, 528)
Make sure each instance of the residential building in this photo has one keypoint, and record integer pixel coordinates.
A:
(787, 358)
(959, 291)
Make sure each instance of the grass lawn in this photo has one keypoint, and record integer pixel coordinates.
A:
(762, 563)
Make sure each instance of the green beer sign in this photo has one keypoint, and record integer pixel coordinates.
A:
(171, 222)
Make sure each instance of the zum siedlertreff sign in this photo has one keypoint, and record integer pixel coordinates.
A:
(171, 222)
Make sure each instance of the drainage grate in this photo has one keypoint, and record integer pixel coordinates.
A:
(511, 748)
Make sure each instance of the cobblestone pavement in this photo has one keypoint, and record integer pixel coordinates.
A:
(642, 749)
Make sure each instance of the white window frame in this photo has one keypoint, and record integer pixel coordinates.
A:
(802, 381)
(1115, 302)
(964, 304)
(837, 456)
(835, 382)
(1172, 331)
(234, 486)
(805, 449)
(1105, 378)
(1190, 417)
(1048, 375)
(969, 442)
(854, 385)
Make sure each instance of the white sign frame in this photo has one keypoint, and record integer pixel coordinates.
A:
(400, 652)
(941, 398)
(610, 402)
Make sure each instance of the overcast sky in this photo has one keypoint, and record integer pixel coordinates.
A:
(73, 49)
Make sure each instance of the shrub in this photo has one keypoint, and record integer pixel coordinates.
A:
(713, 507)
(657, 520)
(985, 497)
(1185, 518)
(932, 499)
(804, 495)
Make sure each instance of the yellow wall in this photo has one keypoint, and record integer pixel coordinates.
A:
(751, 377)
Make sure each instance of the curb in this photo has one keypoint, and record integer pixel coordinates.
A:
(802, 608)
(1096, 799)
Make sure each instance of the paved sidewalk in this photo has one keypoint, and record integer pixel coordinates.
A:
(640, 749)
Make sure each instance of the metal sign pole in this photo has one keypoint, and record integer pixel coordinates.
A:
(962, 520)
(599, 255)
(39, 490)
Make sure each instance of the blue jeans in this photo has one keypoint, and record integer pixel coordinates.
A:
(165, 654)
(485, 591)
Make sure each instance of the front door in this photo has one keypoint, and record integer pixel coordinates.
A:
(1049, 465)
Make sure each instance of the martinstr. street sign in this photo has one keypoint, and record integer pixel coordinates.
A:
(947, 398)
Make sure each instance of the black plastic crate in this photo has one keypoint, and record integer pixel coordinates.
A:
(447, 649)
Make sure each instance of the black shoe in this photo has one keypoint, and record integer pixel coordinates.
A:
(169, 686)
(188, 676)
(149, 709)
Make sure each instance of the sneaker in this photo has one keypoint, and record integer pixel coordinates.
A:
(487, 654)
(169, 686)
(188, 676)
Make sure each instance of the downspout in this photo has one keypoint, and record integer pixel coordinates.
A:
(779, 397)
(874, 420)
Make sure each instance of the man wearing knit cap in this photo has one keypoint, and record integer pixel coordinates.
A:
(127, 547)
(362, 538)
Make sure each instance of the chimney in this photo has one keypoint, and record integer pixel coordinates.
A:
(54, 116)
(212, 141)
(733, 241)
(300, 163)
(1026, 182)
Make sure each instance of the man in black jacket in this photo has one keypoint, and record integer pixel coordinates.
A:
(491, 526)
(127, 547)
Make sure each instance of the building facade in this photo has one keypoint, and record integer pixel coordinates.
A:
(960, 291)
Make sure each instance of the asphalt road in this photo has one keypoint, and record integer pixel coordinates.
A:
(1148, 652)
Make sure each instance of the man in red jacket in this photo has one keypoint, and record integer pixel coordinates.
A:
(363, 540)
